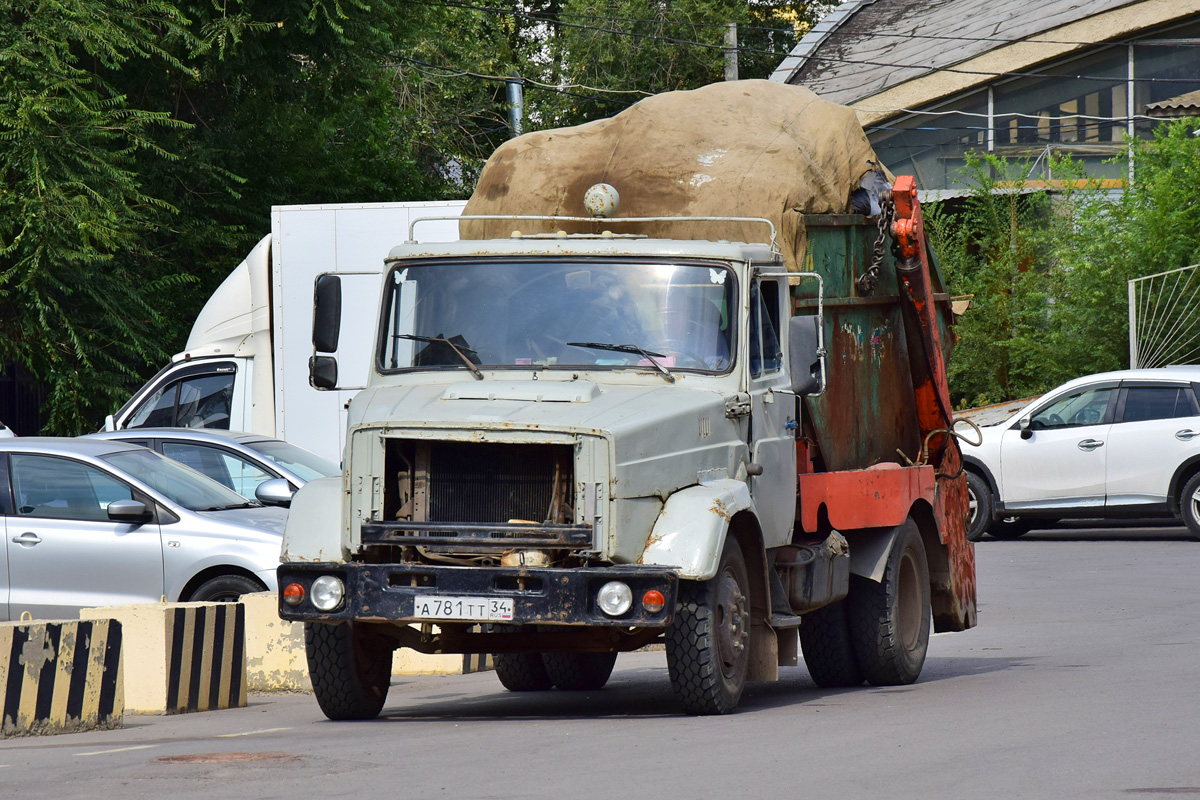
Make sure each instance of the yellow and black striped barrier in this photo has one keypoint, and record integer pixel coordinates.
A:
(206, 646)
(60, 677)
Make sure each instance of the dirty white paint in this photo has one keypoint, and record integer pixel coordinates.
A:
(690, 531)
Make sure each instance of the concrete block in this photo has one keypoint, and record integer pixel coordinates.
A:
(60, 676)
(181, 656)
(275, 660)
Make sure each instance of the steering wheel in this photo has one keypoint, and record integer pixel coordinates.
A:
(1086, 416)
(1053, 420)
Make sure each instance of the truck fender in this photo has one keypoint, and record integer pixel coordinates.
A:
(869, 551)
(314, 524)
(691, 529)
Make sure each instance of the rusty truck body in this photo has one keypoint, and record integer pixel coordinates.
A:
(573, 445)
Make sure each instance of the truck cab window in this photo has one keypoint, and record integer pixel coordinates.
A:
(198, 401)
(766, 355)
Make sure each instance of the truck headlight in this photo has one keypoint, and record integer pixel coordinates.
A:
(614, 598)
(327, 593)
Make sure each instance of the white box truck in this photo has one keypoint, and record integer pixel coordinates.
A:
(245, 365)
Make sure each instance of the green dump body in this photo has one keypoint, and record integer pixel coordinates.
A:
(867, 414)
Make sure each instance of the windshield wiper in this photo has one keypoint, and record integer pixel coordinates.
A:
(649, 355)
(430, 339)
(230, 506)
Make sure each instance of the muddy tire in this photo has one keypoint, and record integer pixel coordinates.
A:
(522, 672)
(350, 670)
(708, 643)
(979, 498)
(579, 672)
(889, 620)
(828, 651)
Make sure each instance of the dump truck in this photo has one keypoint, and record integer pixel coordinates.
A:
(711, 412)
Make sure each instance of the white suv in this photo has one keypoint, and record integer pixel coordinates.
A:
(1116, 444)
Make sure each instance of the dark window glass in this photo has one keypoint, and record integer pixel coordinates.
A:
(1155, 402)
(58, 488)
(755, 336)
(772, 352)
(6, 506)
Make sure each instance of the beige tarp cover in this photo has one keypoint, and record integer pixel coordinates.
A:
(743, 148)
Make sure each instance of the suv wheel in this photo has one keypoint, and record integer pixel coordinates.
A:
(1189, 504)
(979, 498)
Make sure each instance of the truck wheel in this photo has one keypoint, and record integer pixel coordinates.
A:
(708, 643)
(225, 589)
(522, 672)
(828, 651)
(1189, 504)
(579, 672)
(979, 497)
(889, 620)
(350, 671)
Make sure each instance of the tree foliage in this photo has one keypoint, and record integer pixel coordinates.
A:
(1048, 274)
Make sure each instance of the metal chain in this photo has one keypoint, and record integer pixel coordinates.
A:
(867, 282)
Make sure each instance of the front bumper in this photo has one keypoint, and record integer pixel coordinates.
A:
(386, 592)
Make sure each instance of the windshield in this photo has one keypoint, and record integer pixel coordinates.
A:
(304, 464)
(183, 485)
(572, 314)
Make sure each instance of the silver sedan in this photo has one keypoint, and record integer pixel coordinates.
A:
(255, 466)
(96, 523)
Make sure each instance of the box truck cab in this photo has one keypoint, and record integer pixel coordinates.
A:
(245, 365)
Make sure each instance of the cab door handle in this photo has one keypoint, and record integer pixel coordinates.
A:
(27, 538)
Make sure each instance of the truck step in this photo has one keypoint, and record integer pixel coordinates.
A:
(784, 621)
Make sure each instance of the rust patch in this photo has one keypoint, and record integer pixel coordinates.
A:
(720, 509)
(227, 758)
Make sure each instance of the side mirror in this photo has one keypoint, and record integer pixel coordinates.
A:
(275, 492)
(327, 313)
(129, 511)
(322, 372)
(1026, 428)
(804, 355)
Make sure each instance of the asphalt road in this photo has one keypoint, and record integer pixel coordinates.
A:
(1082, 680)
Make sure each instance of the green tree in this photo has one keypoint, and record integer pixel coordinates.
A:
(77, 283)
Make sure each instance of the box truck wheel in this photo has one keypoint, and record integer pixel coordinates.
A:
(522, 672)
(889, 620)
(708, 643)
(579, 672)
(828, 651)
(350, 670)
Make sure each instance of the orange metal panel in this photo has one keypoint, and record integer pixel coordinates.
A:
(864, 498)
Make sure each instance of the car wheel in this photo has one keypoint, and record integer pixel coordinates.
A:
(1189, 505)
(225, 589)
(1010, 528)
(979, 498)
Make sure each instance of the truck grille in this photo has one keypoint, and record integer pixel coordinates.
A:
(479, 482)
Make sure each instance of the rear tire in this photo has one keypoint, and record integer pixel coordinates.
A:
(708, 642)
(1189, 505)
(225, 589)
(889, 620)
(579, 672)
(979, 498)
(351, 671)
(828, 651)
(522, 672)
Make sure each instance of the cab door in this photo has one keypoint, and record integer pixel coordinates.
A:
(772, 408)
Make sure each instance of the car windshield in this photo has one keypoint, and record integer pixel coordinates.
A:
(180, 484)
(304, 464)
(590, 314)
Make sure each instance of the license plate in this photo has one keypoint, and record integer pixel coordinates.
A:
(483, 609)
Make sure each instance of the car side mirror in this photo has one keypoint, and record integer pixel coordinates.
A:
(129, 511)
(805, 355)
(1026, 428)
(275, 492)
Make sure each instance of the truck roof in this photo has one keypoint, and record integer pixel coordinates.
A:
(591, 245)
